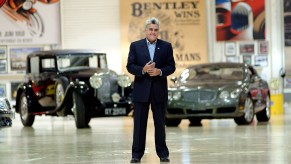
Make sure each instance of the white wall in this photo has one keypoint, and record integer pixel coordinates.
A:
(93, 24)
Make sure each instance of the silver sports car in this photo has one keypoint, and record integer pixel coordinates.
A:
(218, 90)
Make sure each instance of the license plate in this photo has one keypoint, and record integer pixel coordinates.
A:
(115, 111)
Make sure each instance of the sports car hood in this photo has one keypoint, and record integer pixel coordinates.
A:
(209, 85)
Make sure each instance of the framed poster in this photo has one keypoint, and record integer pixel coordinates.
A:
(261, 61)
(3, 66)
(247, 48)
(2, 90)
(233, 59)
(14, 86)
(263, 48)
(18, 57)
(230, 48)
(3, 52)
(247, 59)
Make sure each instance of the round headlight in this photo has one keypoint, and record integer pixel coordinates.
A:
(235, 93)
(124, 81)
(177, 95)
(224, 95)
(95, 81)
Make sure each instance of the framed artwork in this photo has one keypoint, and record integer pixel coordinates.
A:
(261, 61)
(230, 48)
(3, 66)
(247, 48)
(263, 48)
(18, 57)
(3, 52)
(2, 90)
(287, 82)
(247, 59)
(233, 59)
(14, 86)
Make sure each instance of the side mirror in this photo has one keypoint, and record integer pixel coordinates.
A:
(282, 73)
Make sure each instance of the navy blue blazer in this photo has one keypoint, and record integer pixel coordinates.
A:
(143, 83)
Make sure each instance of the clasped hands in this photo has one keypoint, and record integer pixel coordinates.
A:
(150, 69)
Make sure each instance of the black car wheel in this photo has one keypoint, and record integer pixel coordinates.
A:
(249, 113)
(264, 115)
(172, 122)
(26, 118)
(79, 111)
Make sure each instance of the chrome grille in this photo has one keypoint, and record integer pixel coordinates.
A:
(109, 86)
(199, 96)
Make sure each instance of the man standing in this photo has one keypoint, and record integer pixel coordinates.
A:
(150, 60)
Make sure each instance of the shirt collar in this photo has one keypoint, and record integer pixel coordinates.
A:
(149, 43)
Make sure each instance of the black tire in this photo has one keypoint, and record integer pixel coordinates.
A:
(27, 119)
(60, 89)
(79, 111)
(195, 122)
(172, 122)
(249, 113)
(265, 114)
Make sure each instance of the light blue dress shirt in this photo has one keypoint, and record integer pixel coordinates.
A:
(152, 47)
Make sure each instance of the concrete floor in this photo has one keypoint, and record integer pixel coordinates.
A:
(54, 140)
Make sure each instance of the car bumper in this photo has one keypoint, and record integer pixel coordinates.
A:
(6, 118)
(9, 114)
(205, 111)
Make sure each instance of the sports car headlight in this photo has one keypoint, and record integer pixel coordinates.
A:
(235, 93)
(95, 81)
(224, 95)
(123, 81)
(177, 95)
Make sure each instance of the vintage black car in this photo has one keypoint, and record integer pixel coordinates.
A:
(6, 114)
(218, 90)
(72, 82)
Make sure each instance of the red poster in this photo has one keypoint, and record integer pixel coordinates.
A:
(240, 20)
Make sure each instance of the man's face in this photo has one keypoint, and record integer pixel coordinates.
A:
(152, 32)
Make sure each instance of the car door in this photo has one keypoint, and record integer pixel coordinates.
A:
(256, 88)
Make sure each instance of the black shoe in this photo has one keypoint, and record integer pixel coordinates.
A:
(135, 160)
(165, 159)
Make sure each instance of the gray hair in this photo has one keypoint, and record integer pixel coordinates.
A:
(152, 20)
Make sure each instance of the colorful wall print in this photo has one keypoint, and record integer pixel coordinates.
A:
(287, 22)
(30, 22)
(240, 20)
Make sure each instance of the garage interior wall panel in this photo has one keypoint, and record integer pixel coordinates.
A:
(93, 24)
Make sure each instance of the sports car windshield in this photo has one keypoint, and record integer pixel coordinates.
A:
(81, 61)
(212, 73)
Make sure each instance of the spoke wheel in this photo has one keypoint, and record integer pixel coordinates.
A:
(249, 113)
(59, 94)
(27, 119)
(60, 89)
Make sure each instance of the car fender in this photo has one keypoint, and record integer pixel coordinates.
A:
(31, 99)
(80, 87)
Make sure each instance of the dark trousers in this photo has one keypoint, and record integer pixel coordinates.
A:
(141, 111)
